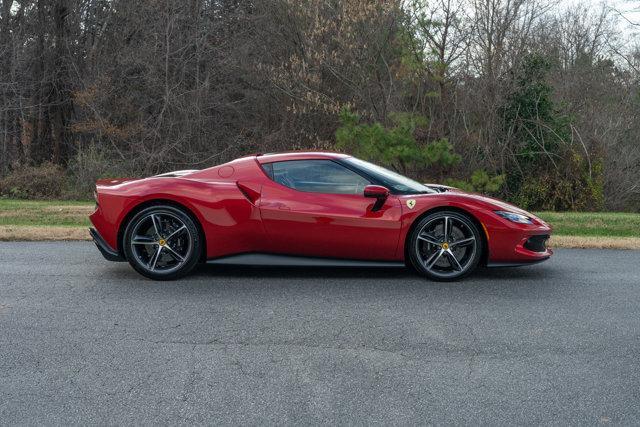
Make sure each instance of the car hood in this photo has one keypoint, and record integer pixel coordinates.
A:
(490, 203)
(497, 203)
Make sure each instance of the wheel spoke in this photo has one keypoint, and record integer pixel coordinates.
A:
(156, 225)
(446, 229)
(184, 227)
(451, 257)
(154, 260)
(429, 239)
(143, 240)
(433, 259)
(174, 253)
(462, 242)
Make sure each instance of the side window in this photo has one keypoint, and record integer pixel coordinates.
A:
(268, 169)
(316, 176)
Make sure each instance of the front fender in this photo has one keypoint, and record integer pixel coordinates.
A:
(502, 236)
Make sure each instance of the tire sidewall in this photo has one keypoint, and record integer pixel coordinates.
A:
(188, 221)
(414, 256)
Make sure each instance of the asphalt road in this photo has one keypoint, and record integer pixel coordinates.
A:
(85, 341)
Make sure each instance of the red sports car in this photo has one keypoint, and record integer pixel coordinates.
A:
(308, 208)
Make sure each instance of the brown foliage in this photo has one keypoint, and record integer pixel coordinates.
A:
(148, 86)
(47, 181)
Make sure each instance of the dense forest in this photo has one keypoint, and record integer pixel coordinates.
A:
(525, 99)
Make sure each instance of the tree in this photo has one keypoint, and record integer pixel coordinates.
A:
(395, 146)
(551, 173)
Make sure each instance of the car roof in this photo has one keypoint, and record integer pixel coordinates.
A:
(299, 155)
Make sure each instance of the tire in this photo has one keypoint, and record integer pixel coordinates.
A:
(162, 242)
(445, 258)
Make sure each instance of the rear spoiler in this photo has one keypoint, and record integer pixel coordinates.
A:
(109, 182)
(441, 188)
(176, 174)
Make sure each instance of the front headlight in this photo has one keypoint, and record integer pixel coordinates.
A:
(514, 217)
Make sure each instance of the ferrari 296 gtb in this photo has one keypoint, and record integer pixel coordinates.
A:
(308, 208)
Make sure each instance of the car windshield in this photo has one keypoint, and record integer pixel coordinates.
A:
(394, 181)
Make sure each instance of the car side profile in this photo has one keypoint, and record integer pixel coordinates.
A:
(308, 208)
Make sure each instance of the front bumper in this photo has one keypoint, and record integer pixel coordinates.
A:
(104, 248)
(534, 246)
(512, 244)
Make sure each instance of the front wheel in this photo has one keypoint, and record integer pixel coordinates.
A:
(162, 242)
(445, 246)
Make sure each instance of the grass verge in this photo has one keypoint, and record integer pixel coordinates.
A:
(45, 213)
(34, 220)
(600, 224)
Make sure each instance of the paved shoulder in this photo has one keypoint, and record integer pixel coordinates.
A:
(88, 341)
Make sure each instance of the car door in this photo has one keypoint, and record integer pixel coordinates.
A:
(317, 208)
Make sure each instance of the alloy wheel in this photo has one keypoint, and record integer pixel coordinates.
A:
(447, 246)
(161, 242)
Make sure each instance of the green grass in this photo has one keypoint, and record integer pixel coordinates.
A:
(45, 213)
(602, 224)
(75, 213)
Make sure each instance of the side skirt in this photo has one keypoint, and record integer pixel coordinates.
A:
(298, 261)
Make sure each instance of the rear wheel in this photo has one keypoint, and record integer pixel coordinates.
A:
(162, 242)
(445, 246)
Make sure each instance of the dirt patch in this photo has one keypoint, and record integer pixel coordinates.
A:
(33, 234)
(595, 242)
(70, 210)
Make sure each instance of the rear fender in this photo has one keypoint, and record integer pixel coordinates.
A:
(230, 223)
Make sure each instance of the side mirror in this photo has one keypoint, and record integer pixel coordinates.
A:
(377, 192)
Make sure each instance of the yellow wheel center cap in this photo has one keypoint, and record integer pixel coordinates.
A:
(162, 242)
(445, 246)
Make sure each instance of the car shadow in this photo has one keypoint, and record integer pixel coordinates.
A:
(295, 272)
(482, 274)
(212, 282)
(204, 271)
(207, 279)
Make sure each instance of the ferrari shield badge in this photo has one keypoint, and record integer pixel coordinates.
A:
(411, 203)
